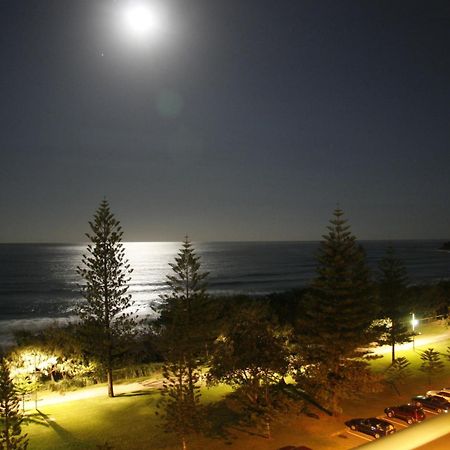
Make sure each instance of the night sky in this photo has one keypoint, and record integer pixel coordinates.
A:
(238, 120)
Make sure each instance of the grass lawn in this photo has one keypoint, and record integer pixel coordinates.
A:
(129, 422)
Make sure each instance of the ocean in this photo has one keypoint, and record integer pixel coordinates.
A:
(39, 283)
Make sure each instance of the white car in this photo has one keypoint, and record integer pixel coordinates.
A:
(444, 393)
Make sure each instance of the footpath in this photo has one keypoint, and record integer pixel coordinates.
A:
(420, 341)
(51, 398)
(47, 398)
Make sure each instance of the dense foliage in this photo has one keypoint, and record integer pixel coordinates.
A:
(11, 437)
(432, 364)
(106, 318)
(182, 334)
(251, 356)
(335, 330)
(398, 373)
(393, 300)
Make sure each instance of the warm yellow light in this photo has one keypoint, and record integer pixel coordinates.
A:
(414, 322)
(29, 361)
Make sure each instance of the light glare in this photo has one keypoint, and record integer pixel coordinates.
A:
(141, 20)
(414, 322)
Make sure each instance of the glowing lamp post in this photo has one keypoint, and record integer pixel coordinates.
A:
(414, 323)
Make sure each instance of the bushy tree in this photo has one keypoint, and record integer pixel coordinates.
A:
(393, 300)
(440, 299)
(11, 437)
(182, 330)
(335, 331)
(251, 356)
(106, 317)
(431, 363)
(32, 365)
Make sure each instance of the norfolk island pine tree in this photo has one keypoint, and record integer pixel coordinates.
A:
(182, 332)
(336, 328)
(106, 321)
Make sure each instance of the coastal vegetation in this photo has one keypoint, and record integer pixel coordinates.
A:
(335, 331)
(393, 300)
(11, 436)
(432, 364)
(251, 355)
(239, 360)
(130, 421)
(106, 321)
(182, 337)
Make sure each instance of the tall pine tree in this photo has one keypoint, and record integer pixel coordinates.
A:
(107, 322)
(181, 325)
(393, 301)
(11, 437)
(335, 331)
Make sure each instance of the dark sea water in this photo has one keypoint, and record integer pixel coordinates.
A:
(39, 283)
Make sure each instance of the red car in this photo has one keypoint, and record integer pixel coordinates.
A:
(409, 413)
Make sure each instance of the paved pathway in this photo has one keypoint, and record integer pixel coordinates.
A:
(98, 391)
(53, 398)
(420, 341)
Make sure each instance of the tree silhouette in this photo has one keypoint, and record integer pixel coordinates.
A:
(393, 300)
(398, 372)
(431, 363)
(336, 328)
(107, 322)
(181, 325)
(11, 437)
(252, 357)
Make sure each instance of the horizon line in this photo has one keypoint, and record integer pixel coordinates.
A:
(219, 241)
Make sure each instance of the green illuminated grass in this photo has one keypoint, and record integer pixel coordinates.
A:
(82, 424)
(126, 422)
(130, 422)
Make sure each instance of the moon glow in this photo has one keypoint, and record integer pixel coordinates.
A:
(142, 20)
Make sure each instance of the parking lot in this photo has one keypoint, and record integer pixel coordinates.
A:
(356, 438)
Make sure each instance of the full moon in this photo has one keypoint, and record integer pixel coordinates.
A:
(142, 19)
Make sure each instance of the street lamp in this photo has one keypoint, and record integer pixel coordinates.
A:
(414, 323)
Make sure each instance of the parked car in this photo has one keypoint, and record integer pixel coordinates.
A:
(447, 389)
(409, 413)
(438, 404)
(372, 426)
(442, 393)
